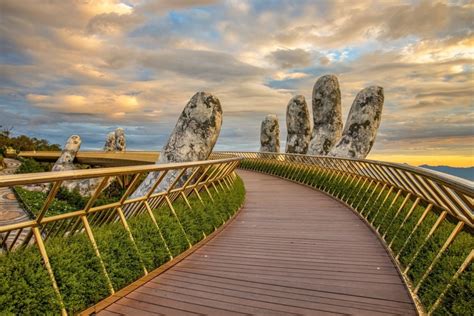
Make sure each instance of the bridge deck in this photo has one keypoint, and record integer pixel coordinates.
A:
(291, 250)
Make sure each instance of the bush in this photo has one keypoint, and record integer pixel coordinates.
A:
(25, 287)
(458, 299)
(150, 245)
(77, 271)
(444, 269)
(118, 253)
(33, 201)
(65, 200)
(29, 165)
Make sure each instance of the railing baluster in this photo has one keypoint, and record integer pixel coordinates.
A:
(44, 255)
(451, 237)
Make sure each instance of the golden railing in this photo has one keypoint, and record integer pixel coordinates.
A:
(187, 179)
(415, 203)
(374, 189)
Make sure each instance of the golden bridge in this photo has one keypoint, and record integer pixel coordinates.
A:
(314, 236)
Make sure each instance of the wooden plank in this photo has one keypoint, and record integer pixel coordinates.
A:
(133, 307)
(291, 250)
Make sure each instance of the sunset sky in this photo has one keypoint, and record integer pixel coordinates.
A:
(86, 67)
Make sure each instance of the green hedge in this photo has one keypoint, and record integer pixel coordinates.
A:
(387, 217)
(65, 201)
(25, 287)
(29, 165)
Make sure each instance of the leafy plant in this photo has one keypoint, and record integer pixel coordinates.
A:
(25, 287)
(29, 165)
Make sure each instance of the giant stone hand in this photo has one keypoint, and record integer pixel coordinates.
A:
(328, 136)
(361, 126)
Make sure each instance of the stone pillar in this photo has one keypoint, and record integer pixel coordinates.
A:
(109, 142)
(298, 126)
(192, 139)
(120, 141)
(327, 117)
(65, 161)
(362, 124)
(270, 134)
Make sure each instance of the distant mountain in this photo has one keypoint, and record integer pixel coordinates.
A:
(465, 173)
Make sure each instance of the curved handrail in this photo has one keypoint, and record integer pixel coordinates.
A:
(395, 200)
(377, 191)
(174, 181)
(452, 194)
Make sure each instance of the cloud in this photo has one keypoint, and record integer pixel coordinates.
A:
(99, 103)
(86, 67)
(290, 58)
(212, 66)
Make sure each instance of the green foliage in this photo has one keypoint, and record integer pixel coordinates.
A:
(25, 287)
(444, 269)
(429, 251)
(77, 271)
(417, 239)
(118, 253)
(151, 246)
(171, 230)
(23, 142)
(73, 198)
(65, 200)
(33, 201)
(29, 165)
(458, 299)
(408, 227)
(111, 194)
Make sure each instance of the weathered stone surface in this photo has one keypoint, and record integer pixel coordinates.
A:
(327, 117)
(65, 161)
(120, 142)
(362, 124)
(192, 139)
(298, 126)
(109, 142)
(115, 141)
(270, 134)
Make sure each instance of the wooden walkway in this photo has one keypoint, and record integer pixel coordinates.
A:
(291, 251)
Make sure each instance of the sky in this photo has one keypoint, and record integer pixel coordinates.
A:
(86, 67)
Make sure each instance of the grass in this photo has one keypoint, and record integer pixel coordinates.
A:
(387, 217)
(25, 287)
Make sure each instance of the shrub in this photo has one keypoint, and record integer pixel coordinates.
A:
(118, 253)
(33, 200)
(25, 287)
(150, 245)
(65, 201)
(77, 271)
(29, 165)
(458, 299)
(445, 268)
